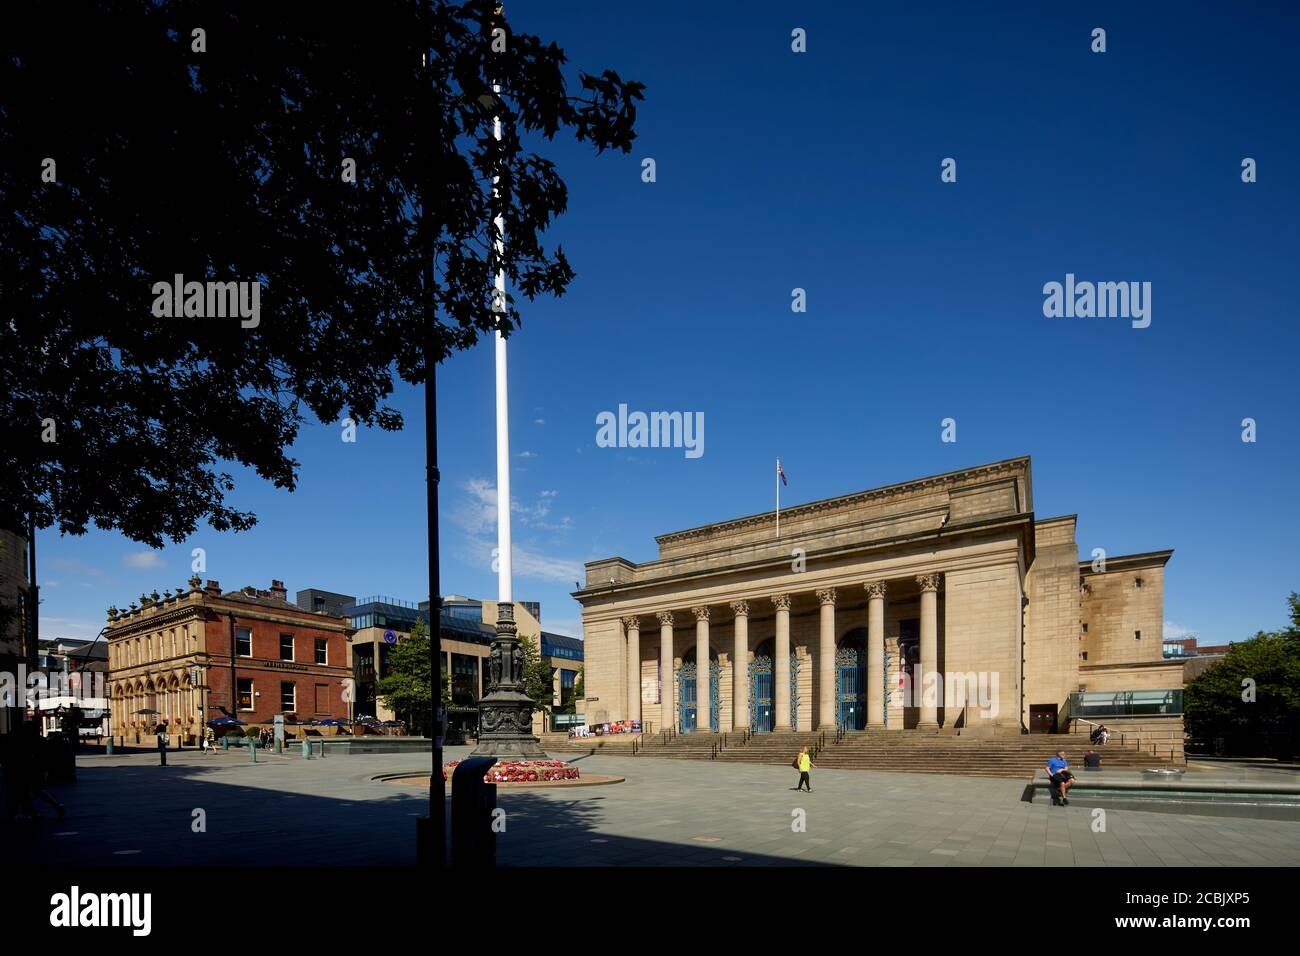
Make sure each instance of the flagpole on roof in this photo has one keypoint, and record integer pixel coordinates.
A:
(778, 497)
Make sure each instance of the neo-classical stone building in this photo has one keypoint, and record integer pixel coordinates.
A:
(943, 602)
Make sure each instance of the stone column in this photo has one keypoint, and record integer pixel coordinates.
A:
(929, 584)
(667, 710)
(781, 666)
(875, 653)
(702, 723)
(826, 661)
(633, 625)
(740, 668)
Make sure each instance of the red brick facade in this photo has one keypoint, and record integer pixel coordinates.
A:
(173, 655)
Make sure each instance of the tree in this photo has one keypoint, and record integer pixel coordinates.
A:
(1252, 696)
(146, 139)
(539, 677)
(407, 688)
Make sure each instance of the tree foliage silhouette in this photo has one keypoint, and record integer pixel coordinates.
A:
(145, 139)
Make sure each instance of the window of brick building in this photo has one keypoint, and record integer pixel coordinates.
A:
(288, 697)
(322, 698)
(286, 647)
(243, 642)
(245, 693)
(322, 651)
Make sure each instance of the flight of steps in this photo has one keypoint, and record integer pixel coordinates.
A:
(776, 748)
(682, 746)
(909, 751)
(1014, 756)
(617, 745)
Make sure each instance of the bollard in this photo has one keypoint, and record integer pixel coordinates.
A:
(110, 746)
(225, 743)
(306, 748)
(322, 750)
(473, 841)
(252, 751)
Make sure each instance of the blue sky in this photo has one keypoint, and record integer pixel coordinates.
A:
(821, 171)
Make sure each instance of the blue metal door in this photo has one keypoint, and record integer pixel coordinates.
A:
(851, 692)
(762, 703)
(686, 698)
(715, 696)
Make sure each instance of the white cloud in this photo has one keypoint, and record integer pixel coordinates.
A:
(143, 560)
(476, 514)
(539, 421)
(1174, 632)
(527, 454)
(528, 563)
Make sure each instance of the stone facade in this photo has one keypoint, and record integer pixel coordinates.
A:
(952, 601)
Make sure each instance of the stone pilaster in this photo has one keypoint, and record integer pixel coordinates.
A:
(667, 706)
(929, 719)
(875, 653)
(826, 690)
(781, 666)
(740, 668)
(702, 682)
(633, 626)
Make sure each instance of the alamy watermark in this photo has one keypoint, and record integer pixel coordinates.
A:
(1102, 300)
(208, 300)
(80, 688)
(652, 430)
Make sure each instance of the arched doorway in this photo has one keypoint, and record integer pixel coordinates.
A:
(851, 680)
(762, 690)
(687, 675)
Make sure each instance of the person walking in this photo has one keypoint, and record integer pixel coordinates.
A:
(803, 763)
(162, 745)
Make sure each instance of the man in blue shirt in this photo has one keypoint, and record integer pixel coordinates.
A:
(1058, 774)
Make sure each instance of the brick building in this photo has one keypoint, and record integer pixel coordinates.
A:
(201, 653)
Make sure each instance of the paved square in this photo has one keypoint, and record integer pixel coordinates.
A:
(680, 812)
(284, 810)
(281, 811)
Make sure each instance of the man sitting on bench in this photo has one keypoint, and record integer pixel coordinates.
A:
(1059, 778)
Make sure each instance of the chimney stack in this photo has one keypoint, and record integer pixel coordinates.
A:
(213, 588)
(278, 590)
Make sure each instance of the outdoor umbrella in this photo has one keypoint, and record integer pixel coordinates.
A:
(225, 722)
(331, 722)
(145, 713)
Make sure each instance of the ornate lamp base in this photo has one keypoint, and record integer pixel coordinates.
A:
(506, 712)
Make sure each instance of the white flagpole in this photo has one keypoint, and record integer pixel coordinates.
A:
(778, 497)
(504, 589)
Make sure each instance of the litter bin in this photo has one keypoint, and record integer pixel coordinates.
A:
(61, 762)
(473, 842)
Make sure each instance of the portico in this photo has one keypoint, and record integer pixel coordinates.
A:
(924, 605)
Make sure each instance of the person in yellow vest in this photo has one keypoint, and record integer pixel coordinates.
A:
(804, 763)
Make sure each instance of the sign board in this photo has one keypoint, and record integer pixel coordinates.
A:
(390, 637)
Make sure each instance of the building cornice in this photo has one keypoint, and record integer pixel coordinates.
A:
(636, 591)
(1130, 562)
(1011, 467)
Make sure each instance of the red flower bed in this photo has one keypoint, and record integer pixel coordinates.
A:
(521, 771)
